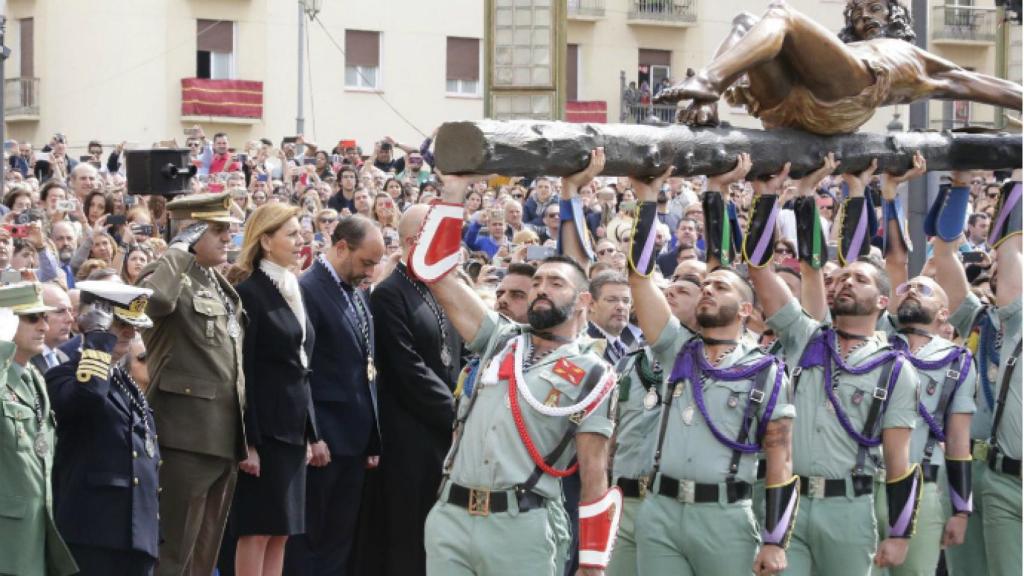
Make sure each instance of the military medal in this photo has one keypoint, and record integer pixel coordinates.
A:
(688, 415)
(446, 356)
(650, 399)
(734, 400)
(40, 446)
(371, 369)
(234, 329)
(150, 446)
(857, 398)
(931, 387)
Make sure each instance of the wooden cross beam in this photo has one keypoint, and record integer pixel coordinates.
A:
(534, 148)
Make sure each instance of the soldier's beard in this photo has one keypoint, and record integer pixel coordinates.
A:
(726, 314)
(551, 317)
(911, 312)
(850, 307)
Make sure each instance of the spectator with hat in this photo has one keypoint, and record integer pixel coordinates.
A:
(198, 390)
(106, 469)
(29, 541)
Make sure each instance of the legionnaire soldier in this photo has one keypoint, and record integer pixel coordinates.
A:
(723, 402)
(106, 470)
(853, 393)
(198, 389)
(29, 542)
(941, 441)
(1000, 453)
(540, 391)
(637, 414)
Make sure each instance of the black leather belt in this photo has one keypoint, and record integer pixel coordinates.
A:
(817, 487)
(691, 492)
(483, 502)
(1002, 463)
(632, 487)
(931, 472)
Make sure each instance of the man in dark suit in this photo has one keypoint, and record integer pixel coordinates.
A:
(418, 353)
(59, 331)
(344, 397)
(106, 466)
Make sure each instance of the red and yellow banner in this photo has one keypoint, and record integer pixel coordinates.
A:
(233, 98)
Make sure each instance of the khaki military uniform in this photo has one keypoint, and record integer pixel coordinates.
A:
(29, 542)
(636, 434)
(836, 535)
(491, 460)
(923, 553)
(683, 535)
(1000, 501)
(197, 395)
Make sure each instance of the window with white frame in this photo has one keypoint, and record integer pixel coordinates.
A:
(462, 71)
(215, 49)
(362, 59)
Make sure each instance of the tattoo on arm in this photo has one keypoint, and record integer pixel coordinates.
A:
(778, 434)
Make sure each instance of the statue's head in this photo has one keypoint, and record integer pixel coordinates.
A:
(870, 19)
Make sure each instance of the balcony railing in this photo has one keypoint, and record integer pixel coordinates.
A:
(586, 9)
(666, 11)
(21, 97)
(963, 24)
(240, 99)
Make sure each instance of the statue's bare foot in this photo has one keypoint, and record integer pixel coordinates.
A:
(699, 114)
(696, 87)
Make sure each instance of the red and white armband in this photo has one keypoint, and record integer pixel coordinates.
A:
(599, 524)
(436, 248)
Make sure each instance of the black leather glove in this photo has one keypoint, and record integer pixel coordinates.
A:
(190, 235)
(97, 318)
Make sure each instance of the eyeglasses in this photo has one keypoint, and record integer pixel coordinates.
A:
(33, 318)
(605, 251)
(922, 289)
(783, 250)
(552, 215)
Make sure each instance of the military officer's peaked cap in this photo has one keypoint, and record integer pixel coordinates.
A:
(128, 302)
(205, 207)
(24, 298)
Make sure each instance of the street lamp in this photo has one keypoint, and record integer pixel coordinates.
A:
(307, 8)
(895, 125)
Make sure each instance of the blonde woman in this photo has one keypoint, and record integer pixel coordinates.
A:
(270, 500)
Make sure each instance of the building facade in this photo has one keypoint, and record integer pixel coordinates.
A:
(145, 71)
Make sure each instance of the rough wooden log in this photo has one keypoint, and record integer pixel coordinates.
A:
(532, 148)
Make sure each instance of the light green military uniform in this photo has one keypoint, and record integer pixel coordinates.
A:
(969, 558)
(836, 536)
(923, 553)
(635, 438)
(703, 538)
(491, 456)
(1000, 493)
(29, 542)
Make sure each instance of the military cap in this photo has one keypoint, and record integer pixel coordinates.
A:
(24, 298)
(205, 207)
(128, 302)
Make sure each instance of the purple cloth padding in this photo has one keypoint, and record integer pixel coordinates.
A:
(903, 522)
(858, 236)
(648, 251)
(1005, 212)
(766, 234)
(779, 532)
(959, 505)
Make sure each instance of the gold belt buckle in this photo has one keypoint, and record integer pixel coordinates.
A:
(816, 487)
(687, 489)
(644, 483)
(980, 451)
(479, 502)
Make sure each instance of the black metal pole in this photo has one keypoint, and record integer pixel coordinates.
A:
(919, 195)
(3, 91)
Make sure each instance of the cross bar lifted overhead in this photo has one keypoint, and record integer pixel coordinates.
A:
(532, 148)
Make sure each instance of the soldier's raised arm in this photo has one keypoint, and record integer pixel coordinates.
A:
(895, 246)
(771, 291)
(573, 239)
(652, 310)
